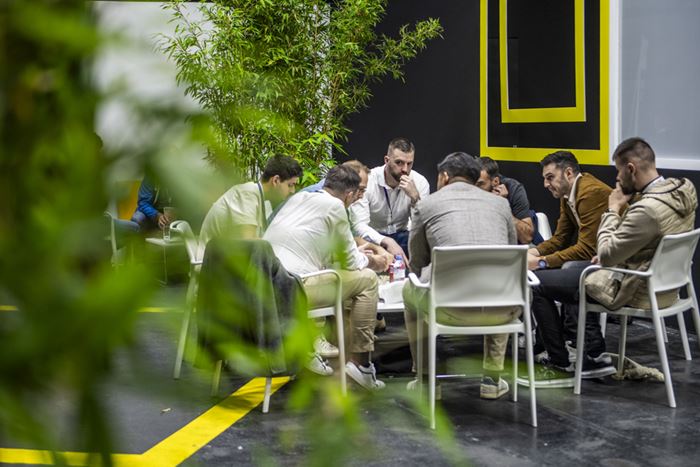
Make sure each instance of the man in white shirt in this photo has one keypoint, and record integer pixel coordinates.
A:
(382, 216)
(243, 210)
(311, 232)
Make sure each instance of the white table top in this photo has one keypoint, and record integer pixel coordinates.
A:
(164, 243)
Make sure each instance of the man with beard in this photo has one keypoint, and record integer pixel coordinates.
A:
(558, 263)
(658, 206)
(381, 217)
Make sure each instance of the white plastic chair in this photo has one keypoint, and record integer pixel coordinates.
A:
(112, 237)
(335, 310)
(543, 226)
(669, 270)
(183, 229)
(476, 277)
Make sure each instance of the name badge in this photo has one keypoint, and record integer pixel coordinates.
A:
(390, 229)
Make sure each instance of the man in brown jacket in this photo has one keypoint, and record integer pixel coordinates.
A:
(558, 263)
(583, 199)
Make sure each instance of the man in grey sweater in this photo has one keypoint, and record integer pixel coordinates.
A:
(459, 213)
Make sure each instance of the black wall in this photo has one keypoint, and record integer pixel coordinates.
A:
(438, 105)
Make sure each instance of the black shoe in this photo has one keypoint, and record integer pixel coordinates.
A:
(595, 369)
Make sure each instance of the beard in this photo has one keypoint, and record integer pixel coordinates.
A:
(395, 175)
(627, 186)
(627, 189)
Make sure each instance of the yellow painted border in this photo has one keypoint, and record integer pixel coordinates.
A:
(587, 156)
(146, 309)
(544, 114)
(177, 447)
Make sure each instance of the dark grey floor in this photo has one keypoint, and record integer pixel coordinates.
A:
(611, 424)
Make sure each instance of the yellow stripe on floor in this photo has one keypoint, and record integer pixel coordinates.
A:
(177, 447)
(33, 456)
(146, 309)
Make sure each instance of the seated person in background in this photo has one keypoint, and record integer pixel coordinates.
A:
(243, 210)
(150, 208)
(311, 233)
(321, 345)
(628, 239)
(381, 217)
(459, 213)
(513, 191)
(583, 199)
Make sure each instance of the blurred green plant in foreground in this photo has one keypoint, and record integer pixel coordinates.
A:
(75, 312)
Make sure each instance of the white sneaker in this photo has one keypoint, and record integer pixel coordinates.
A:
(319, 366)
(364, 376)
(324, 348)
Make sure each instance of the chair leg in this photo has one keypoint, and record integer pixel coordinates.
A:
(419, 356)
(663, 327)
(514, 396)
(580, 339)
(695, 310)
(181, 343)
(266, 399)
(622, 346)
(684, 336)
(664, 360)
(432, 350)
(603, 323)
(340, 327)
(216, 378)
(529, 357)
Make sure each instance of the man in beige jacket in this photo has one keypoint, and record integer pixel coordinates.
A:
(658, 206)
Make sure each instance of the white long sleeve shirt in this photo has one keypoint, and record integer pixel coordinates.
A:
(312, 232)
(384, 210)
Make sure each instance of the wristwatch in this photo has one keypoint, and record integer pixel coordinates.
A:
(542, 264)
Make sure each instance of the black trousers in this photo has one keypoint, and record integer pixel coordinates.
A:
(553, 328)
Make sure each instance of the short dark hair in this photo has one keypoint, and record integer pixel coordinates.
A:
(636, 148)
(341, 179)
(284, 166)
(490, 166)
(460, 164)
(357, 166)
(562, 159)
(402, 144)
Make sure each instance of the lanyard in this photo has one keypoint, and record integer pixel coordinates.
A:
(391, 210)
(263, 219)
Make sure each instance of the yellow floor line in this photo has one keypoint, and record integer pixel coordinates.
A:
(146, 309)
(177, 447)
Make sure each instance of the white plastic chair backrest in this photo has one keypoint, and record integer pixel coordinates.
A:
(543, 226)
(479, 276)
(670, 266)
(191, 244)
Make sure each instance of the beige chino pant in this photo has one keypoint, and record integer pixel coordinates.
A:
(360, 297)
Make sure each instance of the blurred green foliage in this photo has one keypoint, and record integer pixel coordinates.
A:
(74, 308)
(275, 77)
(283, 76)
